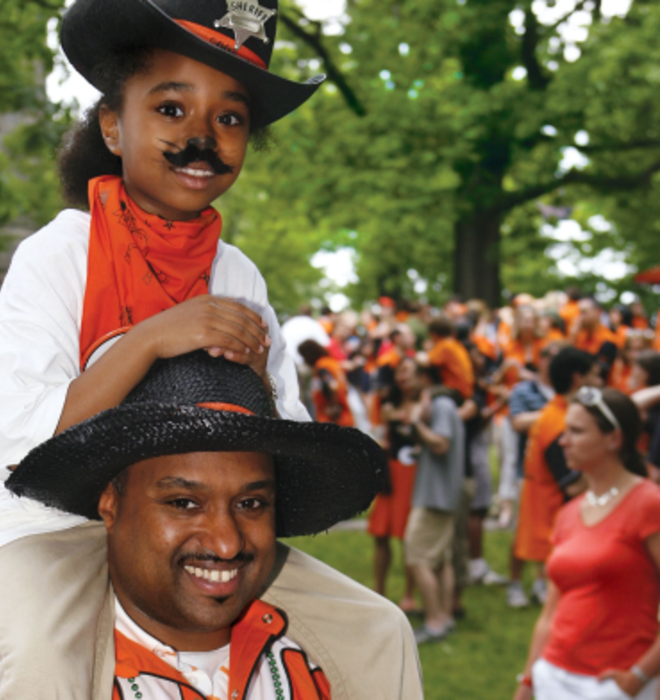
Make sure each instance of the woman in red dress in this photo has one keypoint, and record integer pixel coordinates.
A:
(390, 512)
(597, 636)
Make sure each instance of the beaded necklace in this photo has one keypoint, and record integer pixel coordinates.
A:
(272, 667)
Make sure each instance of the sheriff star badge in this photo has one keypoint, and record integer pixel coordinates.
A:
(246, 19)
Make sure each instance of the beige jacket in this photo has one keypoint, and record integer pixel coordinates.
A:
(57, 618)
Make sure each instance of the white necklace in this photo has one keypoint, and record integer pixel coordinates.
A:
(603, 499)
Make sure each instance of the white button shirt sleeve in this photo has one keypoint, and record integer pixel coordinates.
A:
(40, 311)
(235, 275)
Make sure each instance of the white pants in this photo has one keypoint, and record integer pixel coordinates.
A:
(508, 454)
(553, 683)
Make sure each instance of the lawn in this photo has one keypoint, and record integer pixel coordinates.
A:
(482, 659)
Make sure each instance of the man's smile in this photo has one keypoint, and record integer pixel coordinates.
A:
(213, 575)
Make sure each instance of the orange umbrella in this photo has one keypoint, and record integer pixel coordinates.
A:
(650, 276)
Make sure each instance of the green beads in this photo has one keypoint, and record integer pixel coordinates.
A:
(276, 676)
(135, 688)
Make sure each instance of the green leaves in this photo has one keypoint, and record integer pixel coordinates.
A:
(30, 127)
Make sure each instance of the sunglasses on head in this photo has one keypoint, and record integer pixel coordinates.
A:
(592, 397)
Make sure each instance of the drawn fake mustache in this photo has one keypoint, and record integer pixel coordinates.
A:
(192, 153)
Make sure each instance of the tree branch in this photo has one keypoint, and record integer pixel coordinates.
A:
(577, 177)
(48, 6)
(535, 77)
(577, 8)
(334, 74)
(624, 146)
(598, 10)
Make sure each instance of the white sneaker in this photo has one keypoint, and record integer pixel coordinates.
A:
(540, 591)
(492, 578)
(477, 570)
(515, 596)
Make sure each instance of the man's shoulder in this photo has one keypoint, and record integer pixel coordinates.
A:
(337, 621)
(328, 584)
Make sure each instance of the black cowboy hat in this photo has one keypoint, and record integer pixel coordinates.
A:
(324, 473)
(235, 37)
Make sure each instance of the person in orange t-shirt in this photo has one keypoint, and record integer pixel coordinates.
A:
(402, 342)
(329, 385)
(589, 334)
(548, 482)
(592, 336)
(622, 370)
(597, 636)
(552, 328)
(570, 312)
(522, 354)
(640, 320)
(450, 357)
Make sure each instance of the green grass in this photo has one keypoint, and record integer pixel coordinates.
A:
(482, 659)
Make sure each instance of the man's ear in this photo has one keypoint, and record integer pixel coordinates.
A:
(109, 123)
(108, 504)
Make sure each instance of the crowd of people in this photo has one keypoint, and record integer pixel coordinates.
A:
(464, 395)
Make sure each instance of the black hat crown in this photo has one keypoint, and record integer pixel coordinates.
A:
(196, 379)
(236, 37)
(220, 16)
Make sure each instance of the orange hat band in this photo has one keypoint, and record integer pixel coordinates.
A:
(230, 407)
(218, 39)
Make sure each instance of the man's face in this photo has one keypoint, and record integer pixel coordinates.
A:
(592, 378)
(175, 100)
(191, 541)
(589, 314)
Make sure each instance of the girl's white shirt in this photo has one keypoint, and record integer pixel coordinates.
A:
(41, 302)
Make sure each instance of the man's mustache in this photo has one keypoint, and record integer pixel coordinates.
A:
(240, 558)
(192, 153)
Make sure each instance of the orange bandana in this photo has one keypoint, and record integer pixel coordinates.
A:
(139, 264)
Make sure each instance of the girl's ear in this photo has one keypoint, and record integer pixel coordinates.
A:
(109, 123)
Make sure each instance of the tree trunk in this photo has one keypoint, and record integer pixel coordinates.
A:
(477, 257)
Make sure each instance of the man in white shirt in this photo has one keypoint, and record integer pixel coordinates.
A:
(191, 529)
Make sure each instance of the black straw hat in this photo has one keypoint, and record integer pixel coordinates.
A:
(235, 37)
(324, 473)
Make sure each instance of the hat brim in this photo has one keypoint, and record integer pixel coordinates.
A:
(324, 473)
(92, 31)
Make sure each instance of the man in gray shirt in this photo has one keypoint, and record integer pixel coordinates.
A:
(436, 498)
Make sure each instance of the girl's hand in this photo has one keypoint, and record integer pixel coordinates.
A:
(221, 326)
(627, 681)
(523, 692)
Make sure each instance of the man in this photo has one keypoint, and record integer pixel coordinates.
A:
(570, 311)
(450, 358)
(436, 499)
(548, 482)
(402, 341)
(193, 480)
(526, 403)
(592, 336)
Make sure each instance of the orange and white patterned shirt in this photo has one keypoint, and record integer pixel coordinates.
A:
(259, 664)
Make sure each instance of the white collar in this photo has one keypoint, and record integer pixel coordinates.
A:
(203, 670)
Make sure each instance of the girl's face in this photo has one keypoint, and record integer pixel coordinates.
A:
(639, 377)
(585, 447)
(175, 100)
(406, 376)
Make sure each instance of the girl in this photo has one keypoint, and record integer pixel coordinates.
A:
(93, 299)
